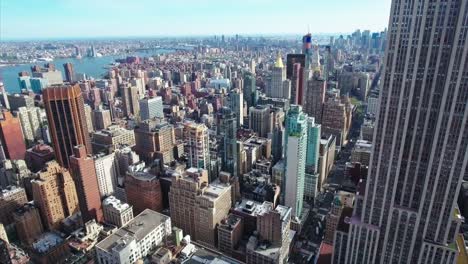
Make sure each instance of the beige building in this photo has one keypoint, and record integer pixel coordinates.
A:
(212, 206)
(198, 208)
(112, 137)
(11, 198)
(155, 139)
(102, 118)
(55, 194)
(326, 159)
(197, 146)
(272, 242)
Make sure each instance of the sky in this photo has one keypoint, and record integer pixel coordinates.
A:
(54, 19)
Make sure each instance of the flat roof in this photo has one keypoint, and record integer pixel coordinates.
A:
(137, 229)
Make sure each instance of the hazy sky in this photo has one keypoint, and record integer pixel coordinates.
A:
(112, 18)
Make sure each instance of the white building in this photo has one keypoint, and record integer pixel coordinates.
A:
(53, 77)
(151, 107)
(116, 212)
(296, 150)
(107, 171)
(135, 240)
(31, 118)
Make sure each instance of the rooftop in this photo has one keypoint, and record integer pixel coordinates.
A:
(136, 229)
(252, 207)
(115, 203)
(48, 241)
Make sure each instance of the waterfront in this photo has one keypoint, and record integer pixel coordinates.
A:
(92, 67)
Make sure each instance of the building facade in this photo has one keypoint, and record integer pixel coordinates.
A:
(418, 159)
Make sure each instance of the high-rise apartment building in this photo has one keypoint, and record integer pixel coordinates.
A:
(102, 118)
(107, 171)
(211, 207)
(130, 99)
(184, 189)
(11, 136)
(86, 182)
(295, 157)
(55, 194)
(31, 119)
(151, 108)
(409, 213)
(65, 112)
(155, 139)
(197, 146)
(312, 158)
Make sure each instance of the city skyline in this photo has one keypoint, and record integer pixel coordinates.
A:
(110, 19)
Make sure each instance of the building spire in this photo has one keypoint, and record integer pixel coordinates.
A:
(279, 61)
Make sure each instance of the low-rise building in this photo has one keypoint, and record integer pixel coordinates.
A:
(51, 247)
(134, 240)
(116, 212)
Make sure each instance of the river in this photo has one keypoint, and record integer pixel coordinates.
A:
(92, 67)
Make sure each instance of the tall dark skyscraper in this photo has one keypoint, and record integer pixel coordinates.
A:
(227, 128)
(409, 212)
(250, 89)
(69, 72)
(291, 59)
(64, 106)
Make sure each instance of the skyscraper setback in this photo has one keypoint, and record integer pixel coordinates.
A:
(419, 155)
(65, 112)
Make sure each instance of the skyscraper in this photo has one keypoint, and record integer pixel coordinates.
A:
(297, 91)
(66, 115)
(296, 151)
(260, 120)
(312, 157)
(151, 107)
(250, 89)
(409, 212)
(226, 130)
(130, 99)
(11, 136)
(279, 86)
(315, 97)
(69, 72)
(236, 103)
(55, 194)
(87, 188)
(198, 146)
(292, 59)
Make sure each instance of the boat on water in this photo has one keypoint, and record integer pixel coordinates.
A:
(47, 59)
